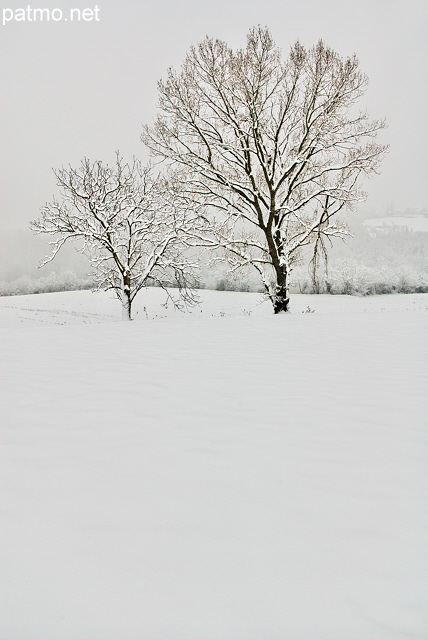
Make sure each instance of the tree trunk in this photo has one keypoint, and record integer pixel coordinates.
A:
(281, 300)
(126, 297)
(126, 307)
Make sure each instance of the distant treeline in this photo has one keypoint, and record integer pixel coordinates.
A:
(392, 261)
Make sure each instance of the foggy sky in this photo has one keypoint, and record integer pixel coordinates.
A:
(70, 90)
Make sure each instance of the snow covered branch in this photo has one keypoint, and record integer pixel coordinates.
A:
(135, 227)
(268, 141)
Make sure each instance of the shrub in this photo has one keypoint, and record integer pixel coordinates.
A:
(66, 281)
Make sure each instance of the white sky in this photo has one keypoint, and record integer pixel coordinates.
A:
(72, 89)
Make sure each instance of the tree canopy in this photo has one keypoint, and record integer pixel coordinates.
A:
(276, 145)
(134, 226)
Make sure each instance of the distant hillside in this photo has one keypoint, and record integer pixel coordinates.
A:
(386, 254)
(412, 223)
(20, 254)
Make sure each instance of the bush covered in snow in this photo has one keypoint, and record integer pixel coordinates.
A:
(63, 281)
(21, 253)
(392, 261)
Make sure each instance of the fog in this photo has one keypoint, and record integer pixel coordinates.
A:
(72, 89)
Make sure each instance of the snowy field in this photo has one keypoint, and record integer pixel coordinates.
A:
(224, 475)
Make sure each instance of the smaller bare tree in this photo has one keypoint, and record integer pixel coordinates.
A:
(132, 225)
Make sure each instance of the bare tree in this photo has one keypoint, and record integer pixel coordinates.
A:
(276, 145)
(134, 228)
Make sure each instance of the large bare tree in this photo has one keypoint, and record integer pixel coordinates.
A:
(134, 227)
(274, 144)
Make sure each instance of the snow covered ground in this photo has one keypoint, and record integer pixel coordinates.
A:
(224, 475)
